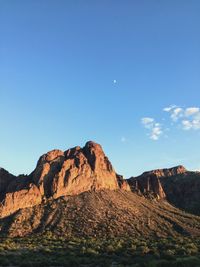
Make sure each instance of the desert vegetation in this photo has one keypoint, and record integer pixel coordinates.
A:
(51, 250)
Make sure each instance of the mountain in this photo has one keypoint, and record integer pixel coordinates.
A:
(59, 174)
(78, 193)
(176, 185)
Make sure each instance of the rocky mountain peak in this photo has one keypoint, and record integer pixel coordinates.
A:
(96, 157)
(50, 156)
(59, 173)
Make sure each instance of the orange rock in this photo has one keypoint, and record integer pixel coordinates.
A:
(58, 174)
(149, 182)
(74, 171)
(20, 199)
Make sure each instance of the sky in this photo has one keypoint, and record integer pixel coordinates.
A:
(125, 74)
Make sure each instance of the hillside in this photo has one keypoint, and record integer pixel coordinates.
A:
(178, 186)
(77, 193)
(101, 214)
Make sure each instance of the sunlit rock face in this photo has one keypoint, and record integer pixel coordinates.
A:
(151, 183)
(17, 192)
(123, 184)
(26, 197)
(58, 174)
(149, 186)
(74, 171)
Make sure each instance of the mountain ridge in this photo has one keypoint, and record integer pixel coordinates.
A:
(85, 177)
(59, 173)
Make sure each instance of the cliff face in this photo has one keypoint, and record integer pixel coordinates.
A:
(150, 183)
(74, 171)
(175, 185)
(183, 191)
(58, 174)
(78, 190)
(77, 170)
(149, 186)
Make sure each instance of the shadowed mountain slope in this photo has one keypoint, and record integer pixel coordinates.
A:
(103, 213)
(177, 185)
(78, 193)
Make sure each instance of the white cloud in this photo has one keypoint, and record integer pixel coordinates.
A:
(186, 125)
(114, 81)
(196, 124)
(176, 113)
(147, 120)
(191, 111)
(155, 133)
(189, 117)
(186, 118)
(191, 125)
(168, 109)
(155, 129)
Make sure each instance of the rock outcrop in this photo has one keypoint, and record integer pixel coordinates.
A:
(183, 191)
(175, 185)
(59, 174)
(74, 171)
(123, 184)
(77, 170)
(149, 186)
(26, 197)
(149, 183)
(5, 179)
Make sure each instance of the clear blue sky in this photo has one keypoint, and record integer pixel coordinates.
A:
(72, 71)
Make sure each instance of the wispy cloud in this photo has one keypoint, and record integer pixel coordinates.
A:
(191, 125)
(155, 128)
(175, 112)
(186, 118)
(189, 118)
(167, 109)
(191, 111)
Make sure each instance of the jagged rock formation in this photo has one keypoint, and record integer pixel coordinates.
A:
(123, 184)
(16, 193)
(148, 185)
(77, 192)
(59, 174)
(26, 197)
(74, 171)
(176, 185)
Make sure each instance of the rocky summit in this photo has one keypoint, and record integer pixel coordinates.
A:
(77, 192)
(59, 174)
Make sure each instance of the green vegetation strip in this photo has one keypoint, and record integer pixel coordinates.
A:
(49, 250)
